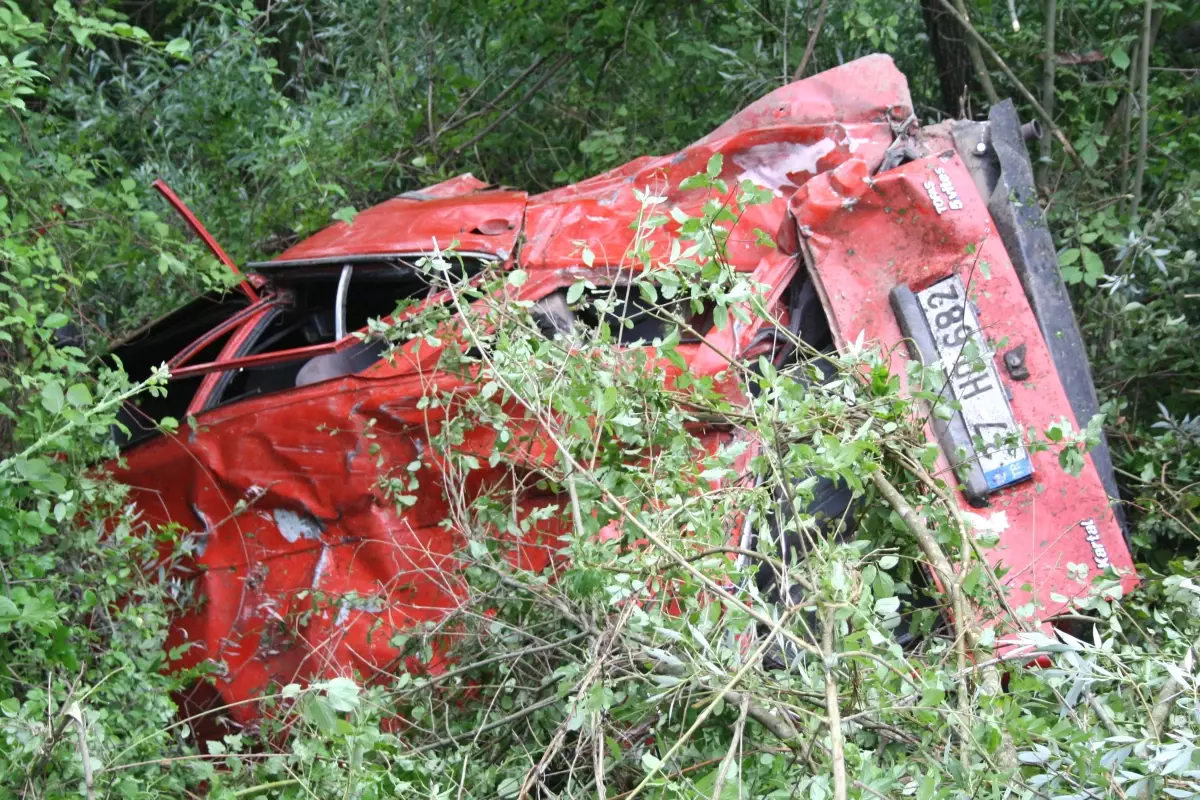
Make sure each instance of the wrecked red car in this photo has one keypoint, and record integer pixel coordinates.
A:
(880, 227)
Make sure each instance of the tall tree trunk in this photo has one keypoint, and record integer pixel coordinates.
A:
(957, 74)
(1144, 103)
(1046, 146)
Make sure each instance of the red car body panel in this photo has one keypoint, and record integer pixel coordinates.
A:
(480, 222)
(299, 564)
(895, 236)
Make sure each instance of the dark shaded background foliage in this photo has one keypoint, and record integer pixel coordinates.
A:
(270, 118)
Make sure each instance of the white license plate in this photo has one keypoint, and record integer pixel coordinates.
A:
(972, 376)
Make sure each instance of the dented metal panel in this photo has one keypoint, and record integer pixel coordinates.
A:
(482, 221)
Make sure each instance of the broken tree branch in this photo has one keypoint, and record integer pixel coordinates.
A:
(1008, 73)
(813, 35)
(985, 80)
(1171, 690)
(949, 581)
(837, 745)
(779, 727)
(916, 526)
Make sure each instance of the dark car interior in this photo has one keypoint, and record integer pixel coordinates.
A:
(305, 312)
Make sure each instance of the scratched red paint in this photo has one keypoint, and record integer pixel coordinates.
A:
(317, 524)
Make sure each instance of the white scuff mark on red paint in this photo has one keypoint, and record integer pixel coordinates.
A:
(771, 165)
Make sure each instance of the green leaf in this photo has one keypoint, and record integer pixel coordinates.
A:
(9, 613)
(518, 277)
(575, 292)
(607, 400)
(1068, 257)
(928, 787)
(1120, 58)
(179, 46)
(887, 606)
(342, 694)
(1090, 154)
(52, 398)
(78, 395)
(317, 711)
(650, 761)
(1093, 266)
(346, 214)
(714, 165)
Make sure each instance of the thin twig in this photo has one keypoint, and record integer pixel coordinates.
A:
(76, 713)
(50, 743)
(500, 723)
(525, 98)
(712, 705)
(735, 745)
(453, 121)
(1170, 691)
(525, 651)
(870, 791)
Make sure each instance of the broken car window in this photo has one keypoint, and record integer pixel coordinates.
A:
(163, 340)
(626, 313)
(307, 316)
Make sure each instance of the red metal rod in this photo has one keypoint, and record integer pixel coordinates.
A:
(208, 337)
(260, 359)
(190, 218)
